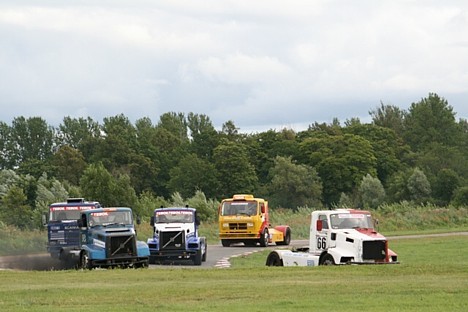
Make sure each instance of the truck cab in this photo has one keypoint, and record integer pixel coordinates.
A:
(63, 233)
(108, 239)
(245, 219)
(341, 236)
(175, 236)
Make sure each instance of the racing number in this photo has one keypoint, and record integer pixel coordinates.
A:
(321, 242)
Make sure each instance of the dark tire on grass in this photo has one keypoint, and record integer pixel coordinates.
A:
(274, 259)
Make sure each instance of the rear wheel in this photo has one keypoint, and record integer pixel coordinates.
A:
(205, 249)
(274, 259)
(225, 243)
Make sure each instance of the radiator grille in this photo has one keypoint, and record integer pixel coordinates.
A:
(238, 226)
(373, 250)
(121, 246)
(172, 240)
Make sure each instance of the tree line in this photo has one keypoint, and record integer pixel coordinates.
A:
(417, 155)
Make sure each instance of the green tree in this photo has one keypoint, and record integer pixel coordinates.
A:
(6, 149)
(98, 184)
(78, 133)
(388, 148)
(118, 144)
(294, 185)
(206, 209)
(69, 164)
(14, 209)
(340, 160)
(204, 136)
(372, 192)
(460, 197)
(431, 120)
(230, 131)
(32, 142)
(389, 116)
(235, 173)
(193, 174)
(447, 181)
(418, 186)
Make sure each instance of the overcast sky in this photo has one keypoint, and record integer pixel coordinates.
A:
(262, 64)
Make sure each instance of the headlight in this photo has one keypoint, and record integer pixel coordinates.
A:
(250, 224)
(225, 225)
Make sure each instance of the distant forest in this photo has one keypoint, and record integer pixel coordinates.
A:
(418, 155)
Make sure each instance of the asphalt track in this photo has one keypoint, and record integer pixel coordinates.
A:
(217, 256)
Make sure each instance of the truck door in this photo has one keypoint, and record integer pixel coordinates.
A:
(321, 235)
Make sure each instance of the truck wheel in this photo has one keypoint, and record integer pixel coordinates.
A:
(264, 238)
(205, 253)
(327, 260)
(85, 264)
(225, 243)
(286, 239)
(274, 259)
(197, 259)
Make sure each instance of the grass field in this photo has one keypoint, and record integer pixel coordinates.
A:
(432, 276)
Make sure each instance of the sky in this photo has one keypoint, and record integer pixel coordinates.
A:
(263, 64)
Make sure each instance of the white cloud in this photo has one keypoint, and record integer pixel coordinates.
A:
(257, 63)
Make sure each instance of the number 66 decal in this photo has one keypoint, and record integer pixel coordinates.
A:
(321, 242)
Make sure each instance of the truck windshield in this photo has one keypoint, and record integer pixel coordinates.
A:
(351, 220)
(174, 216)
(110, 218)
(233, 208)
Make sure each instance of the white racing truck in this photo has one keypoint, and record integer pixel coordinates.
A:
(175, 236)
(341, 236)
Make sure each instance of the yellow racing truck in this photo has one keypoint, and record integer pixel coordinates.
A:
(245, 219)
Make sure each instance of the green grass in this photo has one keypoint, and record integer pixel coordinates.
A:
(432, 276)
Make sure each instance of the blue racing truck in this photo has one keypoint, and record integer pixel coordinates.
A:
(175, 236)
(63, 233)
(108, 239)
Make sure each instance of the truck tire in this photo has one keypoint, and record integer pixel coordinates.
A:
(327, 259)
(225, 243)
(274, 259)
(286, 239)
(85, 264)
(203, 259)
(197, 259)
(264, 238)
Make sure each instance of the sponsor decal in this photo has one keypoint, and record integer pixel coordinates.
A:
(99, 243)
(173, 212)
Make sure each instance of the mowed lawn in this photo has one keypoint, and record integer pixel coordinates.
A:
(432, 276)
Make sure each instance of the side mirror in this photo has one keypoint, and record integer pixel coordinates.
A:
(319, 225)
(262, 208)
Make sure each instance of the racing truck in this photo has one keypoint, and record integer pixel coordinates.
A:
(108, 239)
(175, 236)
(245, 219)
(63, 233)
(341, 236)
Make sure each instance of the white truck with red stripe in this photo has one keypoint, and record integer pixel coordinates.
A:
(341, 236)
